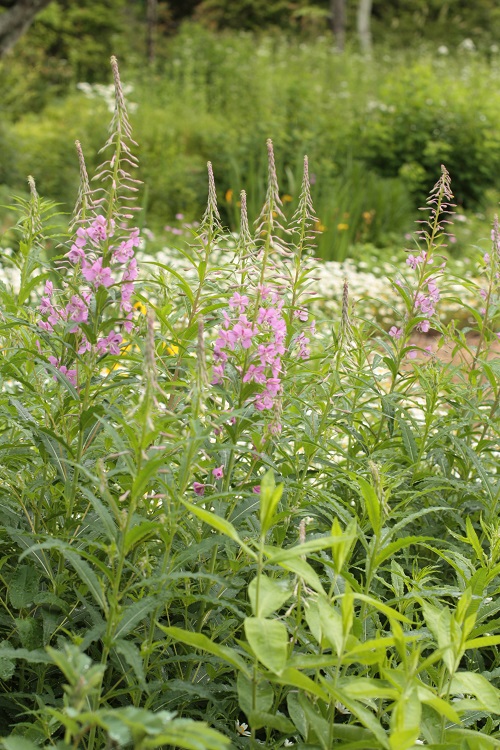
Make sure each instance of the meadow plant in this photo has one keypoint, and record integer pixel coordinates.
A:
(226, 522)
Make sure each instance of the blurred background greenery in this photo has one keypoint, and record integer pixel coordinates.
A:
(378, 102)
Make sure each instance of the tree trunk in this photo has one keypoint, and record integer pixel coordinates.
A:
(151, 22)
(364, 31)
(337, 18)
(15, 21)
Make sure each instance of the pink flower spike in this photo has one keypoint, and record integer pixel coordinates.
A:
(199, 488)
(218, 473)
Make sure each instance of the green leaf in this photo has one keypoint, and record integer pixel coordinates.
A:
(390, 549)
(139, 533)
(293, 678)
(363, 714)
(268, 640)
(219, 524)
(264, 694)
(134, 613)
(270, 496)
(271, 594)
(82, 568)
(198, 640)
(409, 442)
(297, 713)
(475, 684)
(372, 503)
(331, 624)
(30, 632)
(104, 516)
(316, 722)
(299, 550)
(132, 656)
(23, 586)
(18, 743)
(484, 642)
(474, 540)
(303, 570)
(189, 735)
(261, 719)
(389, 612)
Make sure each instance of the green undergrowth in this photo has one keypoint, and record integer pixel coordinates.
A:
(225, 523)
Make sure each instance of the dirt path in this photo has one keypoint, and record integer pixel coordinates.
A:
(445, 353)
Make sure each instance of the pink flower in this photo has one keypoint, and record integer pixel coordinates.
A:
(199, 488)
(218, 472)
(395, 332)
(128, 324)
(98, 229)
(218, 371)
(274, 428)
(76, 254)
(263, 401)
(98, 275)
(255, 373)
(301, 314)
(46, 306)
(238, 302)
(85, 345)
(256, 489)
(111, 343)
(131, 272)
(424, 326)
(77, 310)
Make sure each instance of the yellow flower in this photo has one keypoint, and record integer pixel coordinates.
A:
(368, 216)
(140, 307)
(229, 195)
(172, 349)
(287, 198)
(342, 227)
(319, 227)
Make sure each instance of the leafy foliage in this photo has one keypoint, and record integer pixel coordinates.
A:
(235, 515)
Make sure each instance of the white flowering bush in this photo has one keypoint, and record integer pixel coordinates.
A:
(232, 515)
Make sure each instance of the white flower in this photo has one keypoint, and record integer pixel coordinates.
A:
(242, 729)
(288, 743)
(468, 45)
(443, 50)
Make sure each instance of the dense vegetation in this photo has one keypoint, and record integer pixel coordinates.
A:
(226, 521)
(375, 135)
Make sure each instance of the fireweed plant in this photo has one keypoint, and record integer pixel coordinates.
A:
(226, 524)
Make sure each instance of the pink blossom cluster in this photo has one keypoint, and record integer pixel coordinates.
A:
(100, 266)
(262, 342)
(414, 261)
